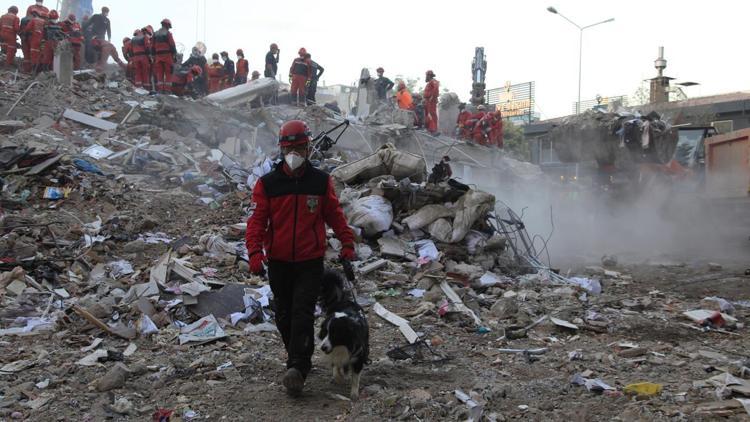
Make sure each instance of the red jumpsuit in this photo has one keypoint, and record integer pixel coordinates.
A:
(463, 131)
(300, 72)
(53, 34)
(215, 76)
(482, 130)
(431, 94)
(164, 51)
(496, 131)
(35, 29)
(43, 11)
(105, 49)
(10, 26)
(75, 36)
(243, 69)
(140, 45)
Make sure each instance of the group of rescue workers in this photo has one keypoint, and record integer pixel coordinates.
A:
(481, 126)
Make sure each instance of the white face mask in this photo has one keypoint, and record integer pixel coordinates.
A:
(294, 160)
(39, 2)
(216, 61)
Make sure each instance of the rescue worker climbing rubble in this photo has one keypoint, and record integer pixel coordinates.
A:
(431, 95)
(462, 131)
(164, 52)
(10, 26)
(287, 231)
(104, 50)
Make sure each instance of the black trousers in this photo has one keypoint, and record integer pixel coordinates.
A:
(296, 287)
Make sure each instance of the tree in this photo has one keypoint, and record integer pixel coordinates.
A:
(514, 142)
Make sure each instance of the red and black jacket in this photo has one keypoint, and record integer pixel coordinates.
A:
(163, 44)
(291, 213)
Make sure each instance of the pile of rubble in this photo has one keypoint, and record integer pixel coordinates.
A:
(125, 288)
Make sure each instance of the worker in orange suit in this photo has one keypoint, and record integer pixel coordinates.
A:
(53, 34)
(462, 132)
(74, 33)
(35, 29)
(299, 76)
(403, 97)
(431, 94)
(39, 7)
(164, 52)
(215, 74)
(243, 69)
(140, 45)
(10, 26)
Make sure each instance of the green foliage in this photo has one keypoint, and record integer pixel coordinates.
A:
(515, 144)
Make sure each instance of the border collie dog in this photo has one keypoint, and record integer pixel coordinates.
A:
(344, 334)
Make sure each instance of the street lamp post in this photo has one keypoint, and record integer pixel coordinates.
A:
(580, 47)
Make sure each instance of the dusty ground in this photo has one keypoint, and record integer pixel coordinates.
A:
(185, 377)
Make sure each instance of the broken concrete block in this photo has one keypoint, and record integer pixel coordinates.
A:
(113, 379)
(89, 120)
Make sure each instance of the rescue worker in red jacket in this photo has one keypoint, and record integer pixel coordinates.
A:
(164, 52)
(35, 30)
(463, 116)
(496, 129)
(72, 30)
(10, 26)
(140, 45)
(105, 50)
(215, 74)
(481, 132)
(431, 94)
(473, 122)
(243, 69)
(299, 75)
(39, 7)
(53, 34)
(293, 205)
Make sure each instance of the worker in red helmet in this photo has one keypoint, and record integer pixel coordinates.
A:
(299, 75)
(480, 124)
(35, 30)
(431, 95)
(53, 34)
(127, 54)
(140, 46)
(215, 74)
(164, 52)
(272, 61)
(74, 33)
(462, 132)
(287, 231)
(10, 26)
(243, 68)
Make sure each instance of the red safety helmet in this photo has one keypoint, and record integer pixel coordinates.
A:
(53, 15)
(401, 85)
(72, 17)
(137, 32)
(274, 46)
(240, 52)
(13, 10)
(294, 132)
(256, 74)
(380, 70)
(430, 73)
(149, 30)
(302, 51)
(126, 40)
(167, 23)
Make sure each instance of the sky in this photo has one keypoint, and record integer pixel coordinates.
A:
(523, 42)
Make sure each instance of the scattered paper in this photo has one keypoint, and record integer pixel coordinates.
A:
(98, 152)
(396, 320)
(92, 359)
(202, 331)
